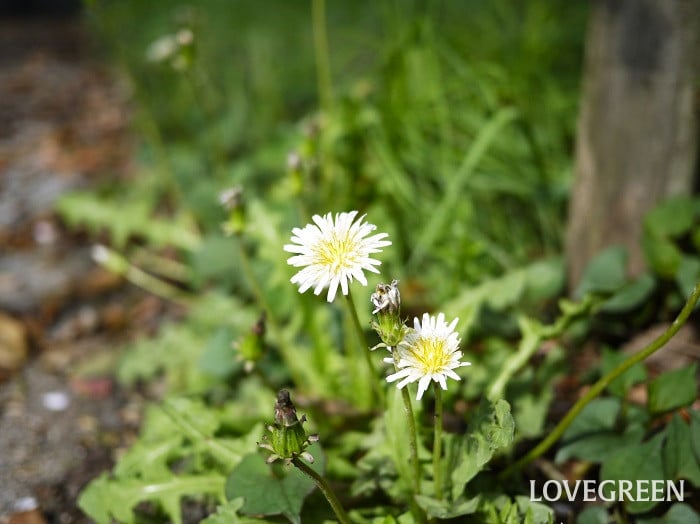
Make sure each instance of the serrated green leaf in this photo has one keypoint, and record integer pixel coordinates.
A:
(219, 357)
(476, 453)
(530, 412)
(127, 217)
(174, 351)
(214, 259)
(672, 390)
(228, 514)
(536, 512)
(150, 460)
(105, 499)
(443, 509)
(272, 489)
(493, 430)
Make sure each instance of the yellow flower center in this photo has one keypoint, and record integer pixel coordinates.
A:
(431, 354)
(337, 253)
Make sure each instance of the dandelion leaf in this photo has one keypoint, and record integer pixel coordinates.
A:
(272, 489)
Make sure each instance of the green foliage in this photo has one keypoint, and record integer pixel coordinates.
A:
(193, 355)
(593, 515)
(642, 461)
(105, 499)
(228, 514)
(681, 461)
(673, 389)
(280, 490)
(611, 432)
(493, 431)
(503, 510)
(606, 273)
(629, 378)
(678, 514)
(127, 218)
(460, 148)
(670, 241)
(176, 456)
(595, 435)
(535, 282)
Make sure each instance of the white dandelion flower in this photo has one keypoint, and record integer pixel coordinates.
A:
(333, 252)
(430, 351)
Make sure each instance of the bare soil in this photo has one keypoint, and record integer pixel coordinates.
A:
(63, 126)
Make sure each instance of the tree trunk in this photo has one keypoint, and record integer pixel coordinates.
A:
(637, 137)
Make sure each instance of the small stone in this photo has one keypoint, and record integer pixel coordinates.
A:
(13, 343)
(55, 400)
(25, 504)
(33, 516)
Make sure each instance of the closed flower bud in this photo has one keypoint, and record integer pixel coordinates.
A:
(232, 201)
(387, 310)
(289, 439)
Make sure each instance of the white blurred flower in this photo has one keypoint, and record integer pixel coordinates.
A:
(428, 352)
(184, 36)
(333, 252)
(168, 47)
(161, 49)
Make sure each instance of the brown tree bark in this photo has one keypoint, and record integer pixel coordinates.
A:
(637, 139)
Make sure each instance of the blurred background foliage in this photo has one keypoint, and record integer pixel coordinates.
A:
(451, 123)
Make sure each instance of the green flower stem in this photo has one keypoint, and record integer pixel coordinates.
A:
(379, 392)
(603, 382)
(437, 443)
(412, 439)
(323, 66)
(120, 265)
(325, 489)
(294, 364)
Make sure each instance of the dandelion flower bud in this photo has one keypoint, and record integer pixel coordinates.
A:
(289, 439)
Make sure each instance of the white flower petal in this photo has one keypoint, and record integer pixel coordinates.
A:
(423, 384)
(429, 352)
(333, 252)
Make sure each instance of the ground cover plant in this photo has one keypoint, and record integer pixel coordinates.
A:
(367, 241)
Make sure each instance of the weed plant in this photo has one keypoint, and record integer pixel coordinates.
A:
(449, 126)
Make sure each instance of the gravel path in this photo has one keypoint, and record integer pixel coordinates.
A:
(63, 126)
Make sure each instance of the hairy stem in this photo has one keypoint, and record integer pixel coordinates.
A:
(437, 443)
(603, 382)
(325, 489)
(412, 438)
(379, 392)
(323, 66)
(293, 364)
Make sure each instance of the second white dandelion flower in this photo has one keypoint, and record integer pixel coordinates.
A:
(429, 352)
